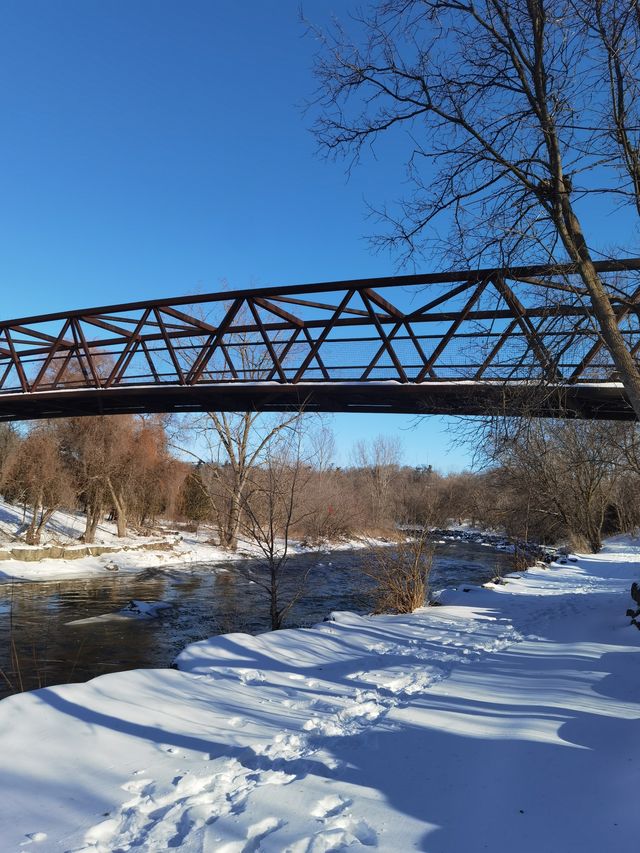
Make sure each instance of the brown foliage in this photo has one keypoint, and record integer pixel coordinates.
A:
(37, 477)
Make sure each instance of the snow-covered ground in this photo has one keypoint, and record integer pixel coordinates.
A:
(505, 720)
(135, 553)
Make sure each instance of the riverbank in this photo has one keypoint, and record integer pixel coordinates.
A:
(62, 557)
(135, 555)
(505, 719)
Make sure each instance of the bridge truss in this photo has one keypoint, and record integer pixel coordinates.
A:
(461, 342)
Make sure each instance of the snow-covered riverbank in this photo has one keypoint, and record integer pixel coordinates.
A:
(505, 720)
(134, 553)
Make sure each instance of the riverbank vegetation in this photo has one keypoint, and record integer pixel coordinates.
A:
(544, 481)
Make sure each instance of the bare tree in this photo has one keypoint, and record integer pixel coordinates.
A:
(118, 462)
(379, 462)
(613, 26)
(87, 445)
(228, 447)
(273, 505)
(558, 478)
(504, 101)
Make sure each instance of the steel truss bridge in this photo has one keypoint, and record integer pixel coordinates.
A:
(469, 342)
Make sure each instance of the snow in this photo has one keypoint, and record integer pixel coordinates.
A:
(506, 719)
(64, 527)
(135, 609)
(130, 554)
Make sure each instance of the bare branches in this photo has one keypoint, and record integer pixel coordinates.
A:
(487, 94)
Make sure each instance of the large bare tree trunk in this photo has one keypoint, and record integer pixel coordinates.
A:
(38, 524)
(120, 510)
(575, 244)
(32, 535)
(94, 514)
(229, 530)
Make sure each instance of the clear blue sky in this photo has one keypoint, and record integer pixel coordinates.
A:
(152, 148)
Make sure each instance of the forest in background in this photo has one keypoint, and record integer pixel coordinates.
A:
(543, 481)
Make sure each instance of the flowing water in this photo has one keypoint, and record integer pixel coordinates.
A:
(39, 646)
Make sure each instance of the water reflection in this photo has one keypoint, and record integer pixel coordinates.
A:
(38, 647)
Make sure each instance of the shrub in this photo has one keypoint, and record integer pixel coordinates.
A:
(400, 575)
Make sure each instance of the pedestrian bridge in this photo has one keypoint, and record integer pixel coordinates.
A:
(470, 342)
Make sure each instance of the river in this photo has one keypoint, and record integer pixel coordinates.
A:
(39, 646)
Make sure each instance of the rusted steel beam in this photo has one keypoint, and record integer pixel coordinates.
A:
(287, 348)
(5, 373)
(274, 292)
(378, 354)
(460, 318)
(496, 349)
(345, 333)
(196, 322)
(381, 302)
(621, 314)
(167, 342)
(133, 337)
(386, 343)
(61, 371)
(267, 341)
(16, 361)
(342, 322)
(58, 344)
(152, 367)
(524, 321)
(445, 297)
(79, 332)
(102, 324)
(209, 348)
(322, 336)
(279, 312)
(35, 333)
(311, 342)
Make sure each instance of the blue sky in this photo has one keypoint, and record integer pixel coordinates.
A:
(154, 148)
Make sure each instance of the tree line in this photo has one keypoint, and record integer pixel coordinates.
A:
(119, 466)
(539, 480)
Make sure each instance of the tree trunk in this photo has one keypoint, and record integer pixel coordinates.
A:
(121, 523)
(32, 536)
(575, 244)
(595, 542)
(276, 616)
(120, 511)
(34, 533)
(229, 533)
(94, 514)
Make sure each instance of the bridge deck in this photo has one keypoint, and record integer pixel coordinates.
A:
(445, 398)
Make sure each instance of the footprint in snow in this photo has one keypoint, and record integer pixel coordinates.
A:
(34, 837)
(162, 816)
(255, 835)
(330, 806)
(338, 833)
(251, 676)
